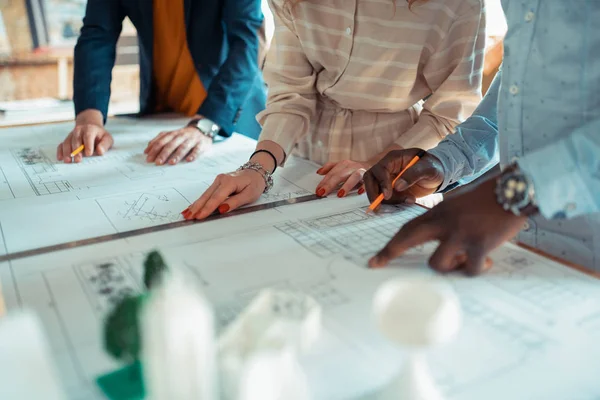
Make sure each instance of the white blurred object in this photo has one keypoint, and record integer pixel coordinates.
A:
(179, 347)
(26, 367)
(280, 322)
(416, 315)
(431, 200)
(272, 375)
(495, 20)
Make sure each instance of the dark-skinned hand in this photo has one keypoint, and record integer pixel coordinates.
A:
(420, 180)
(468, 226)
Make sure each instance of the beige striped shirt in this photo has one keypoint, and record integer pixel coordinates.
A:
(347, 78)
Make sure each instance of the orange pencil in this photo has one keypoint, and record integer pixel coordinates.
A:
(412, 162)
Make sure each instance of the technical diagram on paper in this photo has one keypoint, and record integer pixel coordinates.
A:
(534, 337)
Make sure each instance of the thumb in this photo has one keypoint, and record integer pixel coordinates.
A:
(421, 170)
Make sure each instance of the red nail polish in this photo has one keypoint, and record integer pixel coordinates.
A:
(361, 191)
(320, 192)
(223, 208)
(341, 193)
(319, 171)
(185, 211)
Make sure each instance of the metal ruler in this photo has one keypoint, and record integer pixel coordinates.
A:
(151, 229)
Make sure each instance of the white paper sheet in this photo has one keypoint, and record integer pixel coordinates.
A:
(44, 202)
(530, 331)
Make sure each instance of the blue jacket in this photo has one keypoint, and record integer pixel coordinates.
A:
(223, 40)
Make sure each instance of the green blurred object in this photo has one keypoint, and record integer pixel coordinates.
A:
(123, 384)
(122, 331)
(154, 269)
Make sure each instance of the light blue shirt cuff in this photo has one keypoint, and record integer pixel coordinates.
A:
(444, 152)
(560, 190)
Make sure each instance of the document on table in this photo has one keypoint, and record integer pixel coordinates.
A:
(530, 325)
(44, 202)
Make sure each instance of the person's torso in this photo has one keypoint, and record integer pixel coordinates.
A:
(370, 55)
(550, 87)
(204, 34)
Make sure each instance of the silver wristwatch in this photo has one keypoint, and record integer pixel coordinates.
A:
(515, 192)
(206, 127)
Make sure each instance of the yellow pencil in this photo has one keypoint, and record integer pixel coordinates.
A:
(77, 151)
(412, 162)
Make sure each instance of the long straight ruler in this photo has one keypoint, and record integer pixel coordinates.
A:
(152, 229)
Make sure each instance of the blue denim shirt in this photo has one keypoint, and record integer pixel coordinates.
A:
(543, 112)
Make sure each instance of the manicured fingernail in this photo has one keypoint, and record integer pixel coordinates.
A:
(187, 215)
(159, 161)
(185, 211)
(223, 208)
(320, 192)
(341, 193)
(319, 171)
(174, 160)
(361, 190)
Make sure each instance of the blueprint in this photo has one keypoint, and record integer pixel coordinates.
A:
(117, 192)
(530, 325)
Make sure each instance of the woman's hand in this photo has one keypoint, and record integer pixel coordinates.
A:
(346, 173)
(175, 146)
(228, 192)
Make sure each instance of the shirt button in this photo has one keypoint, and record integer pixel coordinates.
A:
(319, 144)
(348, 31)
(529, 16)
(526, 226)
(514, 90)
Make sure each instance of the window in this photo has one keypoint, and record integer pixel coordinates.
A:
(64, 19)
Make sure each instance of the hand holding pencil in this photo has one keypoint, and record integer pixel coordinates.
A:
(403, 176)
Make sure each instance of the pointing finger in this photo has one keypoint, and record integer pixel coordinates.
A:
(414, 233)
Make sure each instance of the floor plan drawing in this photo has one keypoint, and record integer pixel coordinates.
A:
(355, 233)
(504, 334)
(138, 210)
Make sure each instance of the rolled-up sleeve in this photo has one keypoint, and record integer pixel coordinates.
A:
(453, 73)
(291, 80)
(473, 149)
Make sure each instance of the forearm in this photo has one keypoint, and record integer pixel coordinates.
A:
(473, 149)
(265, 159)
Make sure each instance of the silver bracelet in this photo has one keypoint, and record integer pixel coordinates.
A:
(267, 176)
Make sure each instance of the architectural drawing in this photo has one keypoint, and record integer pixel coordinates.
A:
(106, 283)
(139, 210)
(40, 171)
(355, 233)
(6, 192)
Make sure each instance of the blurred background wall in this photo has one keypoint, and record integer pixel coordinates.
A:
(37, 39)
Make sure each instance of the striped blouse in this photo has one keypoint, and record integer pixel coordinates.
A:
(348, 78)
